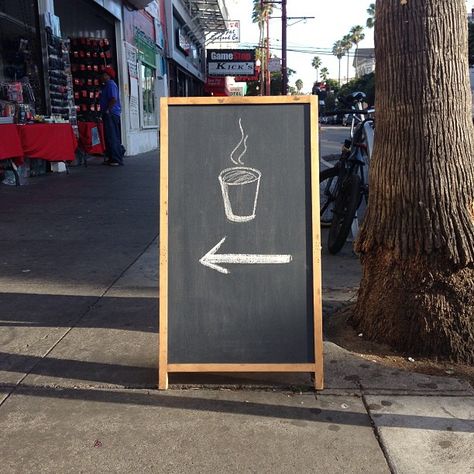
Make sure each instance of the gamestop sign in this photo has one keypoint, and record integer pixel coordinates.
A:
(230, 62)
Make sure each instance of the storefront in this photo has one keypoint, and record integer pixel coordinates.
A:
(90, 31)
(145, 75)
(53, 53)
(52, 56)
(186, 42)
(37, 114)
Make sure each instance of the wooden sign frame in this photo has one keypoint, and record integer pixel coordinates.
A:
(164, 367)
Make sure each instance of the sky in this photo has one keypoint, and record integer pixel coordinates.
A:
(333, 19)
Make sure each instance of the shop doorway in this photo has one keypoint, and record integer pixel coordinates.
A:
(91, 32)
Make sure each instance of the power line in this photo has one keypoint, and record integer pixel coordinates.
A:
(309, 50)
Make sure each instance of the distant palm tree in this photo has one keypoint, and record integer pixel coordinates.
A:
(347, 45)
(371, 12)
(339, 51)
(316, 63)
(260, 13)
(324, 73)
(357, 35)
(299, 85)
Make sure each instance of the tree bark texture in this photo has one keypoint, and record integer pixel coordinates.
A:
(417, 241)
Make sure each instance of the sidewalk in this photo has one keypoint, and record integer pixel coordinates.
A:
(78, 359)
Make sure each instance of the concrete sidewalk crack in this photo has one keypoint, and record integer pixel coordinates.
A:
(377, 433)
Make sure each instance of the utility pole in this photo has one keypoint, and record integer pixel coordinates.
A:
(284, 70)
(267, 60)
(284, 24)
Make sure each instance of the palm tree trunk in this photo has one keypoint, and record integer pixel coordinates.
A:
(348, 66)
(339, 72)
(417, 240)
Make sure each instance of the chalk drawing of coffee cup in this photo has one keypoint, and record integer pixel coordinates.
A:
(240, 186)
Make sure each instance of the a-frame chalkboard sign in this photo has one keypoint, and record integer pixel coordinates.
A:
(240, 253)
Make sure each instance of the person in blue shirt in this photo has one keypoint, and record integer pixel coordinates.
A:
(110, 108)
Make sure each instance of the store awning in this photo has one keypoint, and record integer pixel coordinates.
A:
(210, 14)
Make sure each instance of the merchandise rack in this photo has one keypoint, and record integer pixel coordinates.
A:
(89, 58)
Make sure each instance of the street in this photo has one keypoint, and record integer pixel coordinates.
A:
(331, 139)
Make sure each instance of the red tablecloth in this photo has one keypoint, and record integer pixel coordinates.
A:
(10, 144)
(50, 142)
(90, 140)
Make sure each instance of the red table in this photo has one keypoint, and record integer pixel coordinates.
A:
(50, 142)
(10, 144)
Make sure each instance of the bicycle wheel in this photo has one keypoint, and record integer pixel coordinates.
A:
(328, 186)
(345, 207)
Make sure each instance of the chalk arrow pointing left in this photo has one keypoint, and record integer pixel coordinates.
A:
(212, 259)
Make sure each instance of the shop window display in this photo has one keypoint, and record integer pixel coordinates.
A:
(17, 101)
(148, 96)
(21, 83)
(17, 97)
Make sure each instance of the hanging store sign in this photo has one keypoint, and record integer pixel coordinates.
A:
(231, 62)
(232, 32)
(146, 48)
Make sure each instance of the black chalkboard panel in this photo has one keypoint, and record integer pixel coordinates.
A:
(237, 252)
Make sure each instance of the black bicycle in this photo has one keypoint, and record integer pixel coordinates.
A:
(345, 185)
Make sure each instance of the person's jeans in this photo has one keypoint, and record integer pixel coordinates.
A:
(113, 140)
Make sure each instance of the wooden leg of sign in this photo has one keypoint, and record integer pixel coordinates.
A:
(319, 346)
(163, 379)
(319, 380)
